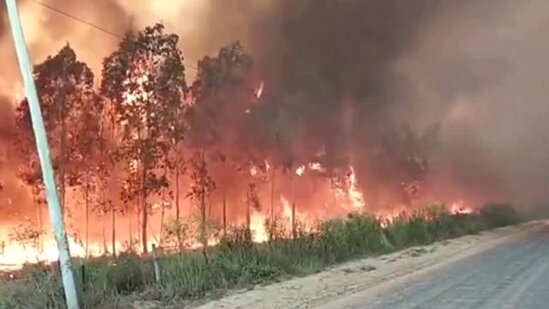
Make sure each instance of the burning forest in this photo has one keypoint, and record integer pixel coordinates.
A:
(298, 123)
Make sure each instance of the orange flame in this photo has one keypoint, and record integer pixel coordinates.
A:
(258, 92)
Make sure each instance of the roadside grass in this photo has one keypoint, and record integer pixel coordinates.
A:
(237, 263)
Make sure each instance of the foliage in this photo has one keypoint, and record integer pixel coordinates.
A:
(125, 276)
(178, 234)
(144, 80)
(70, 108)
(499, 214)
(26, 234)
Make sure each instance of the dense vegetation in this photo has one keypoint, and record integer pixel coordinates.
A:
(238, 263)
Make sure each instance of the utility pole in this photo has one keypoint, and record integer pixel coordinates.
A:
(56, 215)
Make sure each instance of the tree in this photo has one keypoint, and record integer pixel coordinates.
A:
(91, 147)
(216, 93)
(201, 188)
(26, 234)
(144, 80)
(64, 85)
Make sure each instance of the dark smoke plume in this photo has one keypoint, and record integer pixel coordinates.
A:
(458, 86)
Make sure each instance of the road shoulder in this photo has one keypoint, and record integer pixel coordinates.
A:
(342, 285)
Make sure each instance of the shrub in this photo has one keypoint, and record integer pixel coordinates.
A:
(499, 215)
(125, 276)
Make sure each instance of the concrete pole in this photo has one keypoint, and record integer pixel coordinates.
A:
(56, 215)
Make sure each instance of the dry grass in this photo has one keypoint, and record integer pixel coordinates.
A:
(237, 263)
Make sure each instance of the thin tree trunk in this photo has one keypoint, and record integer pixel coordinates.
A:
(143, 200)
(177, 208)
(87, 202)
(103, 233)
(144, 213)
(131, 233)
(62, 141)
(294, 229)
(248, 217)
(36, 197)
(203, 212)
(224, 201)
(294, 232)
(272, 219)
(161, 224)
(113, 207)
(177, 211)
(332, 191)
(224, 211)
(113, 218)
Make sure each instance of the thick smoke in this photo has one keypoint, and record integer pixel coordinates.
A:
(376, 83)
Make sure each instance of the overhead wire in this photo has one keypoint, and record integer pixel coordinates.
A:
(89, 24)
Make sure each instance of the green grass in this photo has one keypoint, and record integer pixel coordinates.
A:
(237, 263)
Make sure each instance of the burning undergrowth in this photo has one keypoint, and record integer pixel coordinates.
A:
(303, 122)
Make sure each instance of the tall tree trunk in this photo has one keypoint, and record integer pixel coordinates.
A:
(203, 235)
(62, 141)
(144, 212)
(332, 191)
(272, 218)
(103, 233)
(113, 207)
(87, 203)
(62, 166)
(143, 195)
(36, 196)
(224, 192)
(113, 218)
(248, 216)
(160, 243)
(294, 232)
(294, 227)
(130, 229)
(224, 211)
(177, 208)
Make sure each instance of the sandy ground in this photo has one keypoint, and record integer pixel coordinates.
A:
(345, 284)
(512, 275)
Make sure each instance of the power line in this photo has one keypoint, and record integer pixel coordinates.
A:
(89, 24)
(78, 19)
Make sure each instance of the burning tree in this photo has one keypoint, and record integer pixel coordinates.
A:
(144, 80)
(201, 188)
(26, 234)
(91, 147)
(219, 95)
(65, 87)
(402, 160)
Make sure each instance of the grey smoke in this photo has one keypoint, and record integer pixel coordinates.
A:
(344, 74)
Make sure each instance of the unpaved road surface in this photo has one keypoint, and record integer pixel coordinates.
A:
(504, 268)
(512, 275)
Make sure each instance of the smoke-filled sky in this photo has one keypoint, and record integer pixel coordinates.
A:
(355, 69)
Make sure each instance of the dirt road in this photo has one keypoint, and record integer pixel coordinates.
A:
(511, 275)
(505, 268)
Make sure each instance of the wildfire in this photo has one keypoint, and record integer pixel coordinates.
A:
(300, 170)
(316, 166)
(355, 195)
(258, 228)
(258, 92)
(14, 254)
(460, 208)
